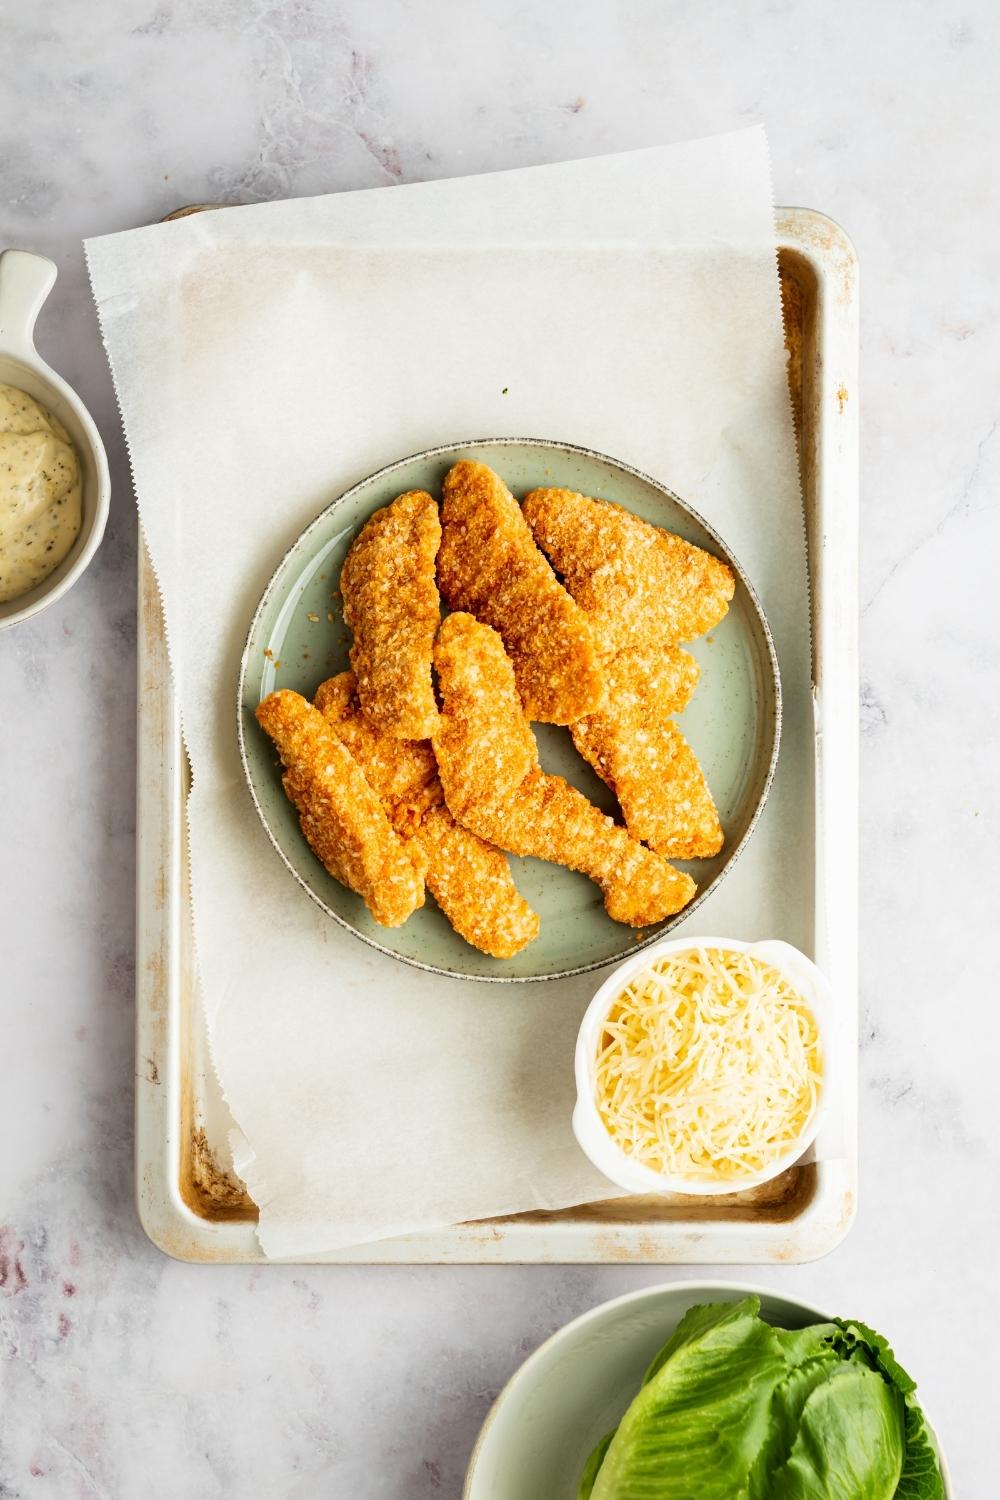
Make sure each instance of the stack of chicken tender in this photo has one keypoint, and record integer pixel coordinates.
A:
(401, 783)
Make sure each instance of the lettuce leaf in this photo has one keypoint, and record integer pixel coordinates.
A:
(787, 1406)
(590, 1468)
(704, 1410)
(848, 1445)
(744, 1411)
(921, 1477)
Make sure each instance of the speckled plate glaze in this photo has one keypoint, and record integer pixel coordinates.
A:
(733, 721)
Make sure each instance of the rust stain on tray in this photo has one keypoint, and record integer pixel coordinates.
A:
(207, 1187)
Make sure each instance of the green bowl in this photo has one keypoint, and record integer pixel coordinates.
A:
(575, 1388)
(298, 637)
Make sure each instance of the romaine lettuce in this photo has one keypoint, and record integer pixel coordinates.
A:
(734, 1409)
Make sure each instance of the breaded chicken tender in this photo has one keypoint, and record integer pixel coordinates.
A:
(634, 745)
(648, 673)
(342, 818)
(391, 604)
(403, 772)
(644, 590)
(635, 582)
(489, 565)
(493, 784)
(469, 879)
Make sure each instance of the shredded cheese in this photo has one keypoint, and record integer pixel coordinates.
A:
(709, 1066)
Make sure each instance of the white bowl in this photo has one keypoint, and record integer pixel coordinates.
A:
(25, 282)
(576, 1386)
(588, 1127)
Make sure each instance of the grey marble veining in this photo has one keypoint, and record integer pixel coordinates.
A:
(125, 1374)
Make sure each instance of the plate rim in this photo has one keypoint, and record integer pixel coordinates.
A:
(580, 449)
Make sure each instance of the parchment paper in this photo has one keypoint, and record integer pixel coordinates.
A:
(268, 357)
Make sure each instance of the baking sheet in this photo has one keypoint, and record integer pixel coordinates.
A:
(188, 1204)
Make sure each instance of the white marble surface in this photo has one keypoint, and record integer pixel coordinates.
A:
(124, 1374)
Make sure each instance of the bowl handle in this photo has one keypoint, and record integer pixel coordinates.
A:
(25, 282)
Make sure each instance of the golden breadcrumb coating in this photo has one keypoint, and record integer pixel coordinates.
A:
(635, 582)
(391, 604)
(644, 590)
(342, 818)
(471, 882)
(493, 784)
(651, 673)
(634, 745)
(659, 784)
(489, 565)
(469, 879)
(402, 772)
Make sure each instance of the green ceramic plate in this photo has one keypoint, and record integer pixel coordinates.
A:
(733, 720)
(576, 1387)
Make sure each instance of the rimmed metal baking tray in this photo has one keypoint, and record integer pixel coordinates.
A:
(188, 1204)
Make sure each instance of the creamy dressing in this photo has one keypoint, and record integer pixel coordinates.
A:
(41, 506)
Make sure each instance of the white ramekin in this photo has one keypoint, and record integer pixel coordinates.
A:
(587, 1124)
(25, 282)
